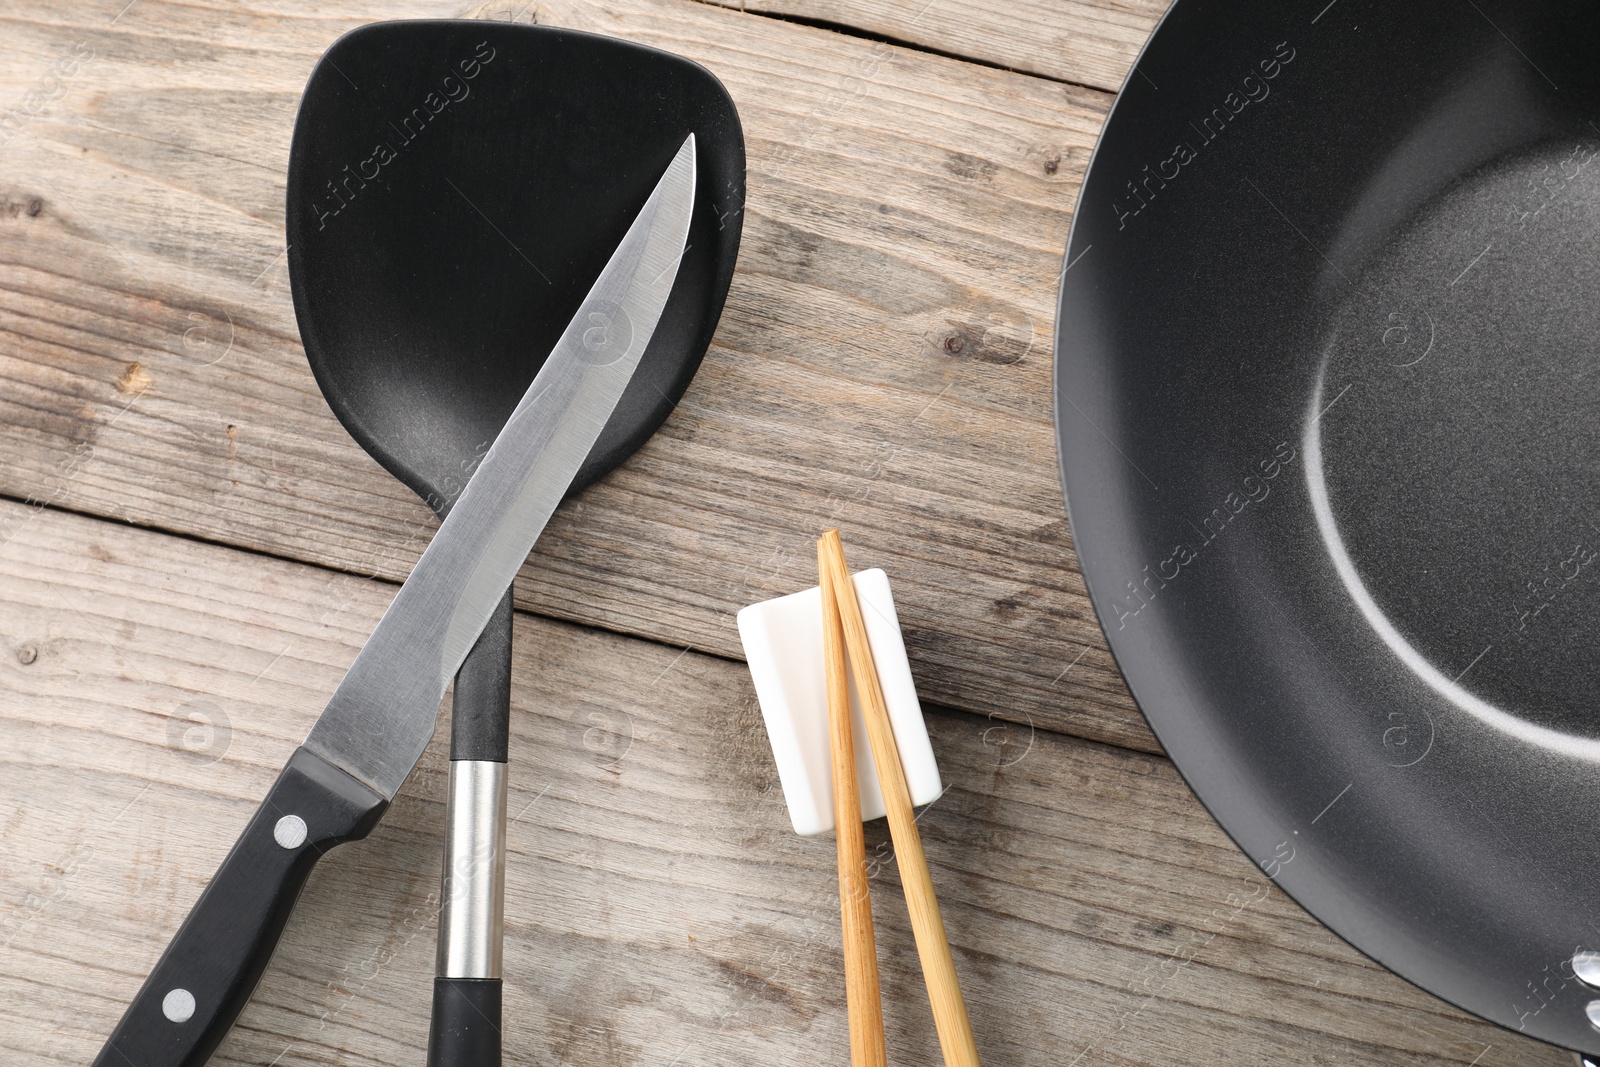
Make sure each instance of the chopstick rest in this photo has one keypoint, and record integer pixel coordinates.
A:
(783, 644)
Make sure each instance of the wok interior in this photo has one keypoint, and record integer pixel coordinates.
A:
(1321, 398)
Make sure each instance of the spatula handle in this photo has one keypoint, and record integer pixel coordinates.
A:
(465, 1031)
(480, 710)
(208, 972)
(465, 1028)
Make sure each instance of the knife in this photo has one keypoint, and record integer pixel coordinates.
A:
(337, 785)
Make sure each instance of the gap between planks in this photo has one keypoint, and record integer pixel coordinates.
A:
(193, 538)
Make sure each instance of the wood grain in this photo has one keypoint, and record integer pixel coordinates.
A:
(1088, 42)
(893, 308)
(658, 904)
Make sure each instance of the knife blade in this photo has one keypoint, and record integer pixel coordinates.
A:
(336, 786)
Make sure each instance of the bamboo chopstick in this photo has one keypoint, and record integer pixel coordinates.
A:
(933, 946)
(855, 901)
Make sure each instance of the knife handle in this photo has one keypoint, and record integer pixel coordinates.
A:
(208, 972)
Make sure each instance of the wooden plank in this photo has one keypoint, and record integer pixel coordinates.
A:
(883, 363)
(1087, 42)
(660, 910)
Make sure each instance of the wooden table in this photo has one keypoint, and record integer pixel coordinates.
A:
(192, 550)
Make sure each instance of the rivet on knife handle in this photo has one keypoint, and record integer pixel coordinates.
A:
(208, 972)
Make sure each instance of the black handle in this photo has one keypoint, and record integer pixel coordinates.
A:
(481, 709)
(208, 972)
(466, 1022)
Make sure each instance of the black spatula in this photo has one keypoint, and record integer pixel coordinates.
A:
(454, 189)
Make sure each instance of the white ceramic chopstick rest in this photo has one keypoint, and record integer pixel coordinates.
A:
(783, 645)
